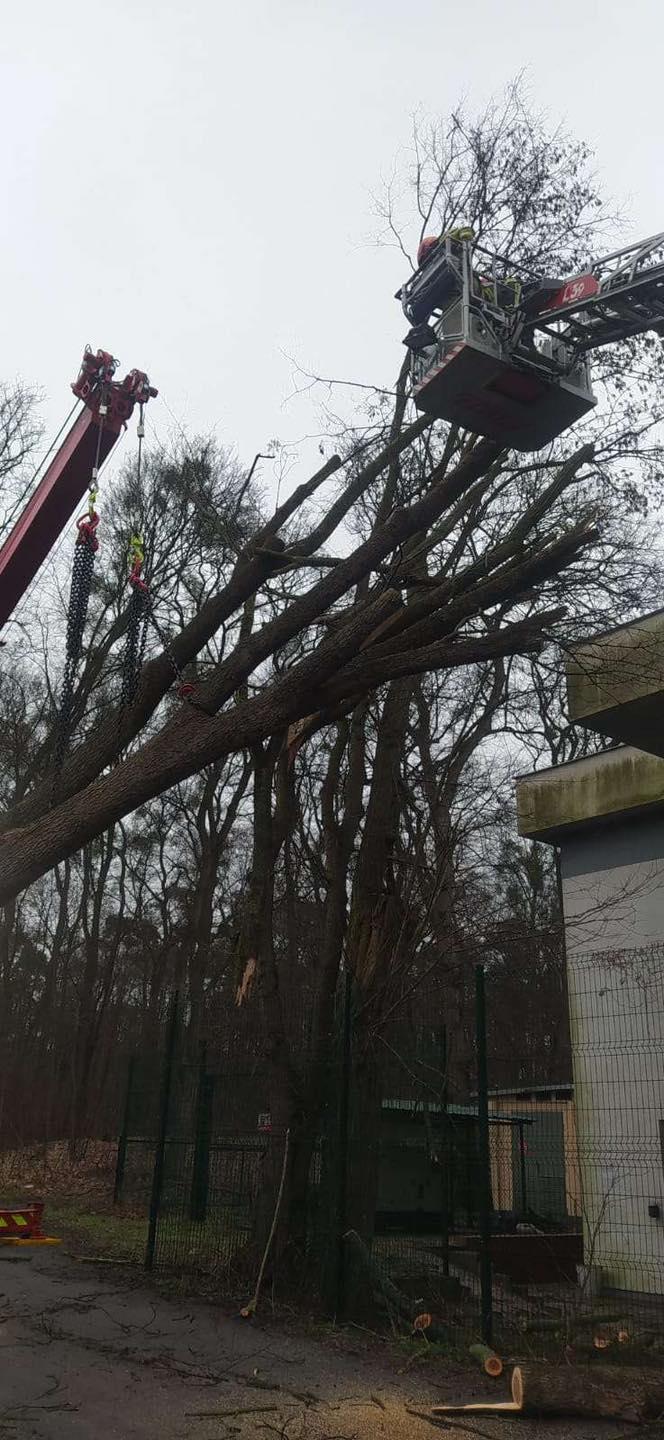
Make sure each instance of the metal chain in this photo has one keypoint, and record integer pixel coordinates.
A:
(85, 550)
(139, 602)
(140, 615)
(79, 599)
(185, 689)
(134, 650)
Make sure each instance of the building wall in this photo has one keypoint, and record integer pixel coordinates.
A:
(613, 893)
(500, 1149)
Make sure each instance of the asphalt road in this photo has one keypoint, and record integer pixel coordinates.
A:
(86, 1355)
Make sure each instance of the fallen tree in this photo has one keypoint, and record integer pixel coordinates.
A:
(594, 1391)
(387, 625)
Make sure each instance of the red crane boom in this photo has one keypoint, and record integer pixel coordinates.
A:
(108, 406)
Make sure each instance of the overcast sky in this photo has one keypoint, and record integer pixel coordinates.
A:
(188, 184)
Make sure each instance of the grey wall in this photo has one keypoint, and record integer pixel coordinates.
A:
(613, 896)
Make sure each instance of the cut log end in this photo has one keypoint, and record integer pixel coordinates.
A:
(490, 1362)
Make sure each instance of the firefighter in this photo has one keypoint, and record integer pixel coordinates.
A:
(429, 243)
(425, 249)
(445, 283)
(463, 232)
(513, 285)
(504, 293)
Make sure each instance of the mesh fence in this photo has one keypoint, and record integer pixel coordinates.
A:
(577, 1179)
(530, 1205)
(617, 1029)
(135, 1164)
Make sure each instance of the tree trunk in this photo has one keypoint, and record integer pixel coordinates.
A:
(7, 944)
(620, 1394)
(96, 865)
(319, 1093)
(372, 935)
(199, 952)
(257, 943)
(364, 1139)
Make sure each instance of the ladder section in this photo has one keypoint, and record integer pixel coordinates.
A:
(628, 299)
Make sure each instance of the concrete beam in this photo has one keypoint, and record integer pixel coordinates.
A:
(615, 683)
(599, 788)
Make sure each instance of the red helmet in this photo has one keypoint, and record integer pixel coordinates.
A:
(425, 247)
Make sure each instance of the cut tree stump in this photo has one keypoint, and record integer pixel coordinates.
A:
(598, 1390)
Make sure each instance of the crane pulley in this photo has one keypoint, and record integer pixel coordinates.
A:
(110, 399)
(502, 352)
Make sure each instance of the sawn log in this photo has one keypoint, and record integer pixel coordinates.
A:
(633, 1396)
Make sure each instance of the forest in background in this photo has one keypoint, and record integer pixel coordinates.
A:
(370, 665)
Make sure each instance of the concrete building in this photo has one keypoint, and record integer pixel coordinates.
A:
(605, 815)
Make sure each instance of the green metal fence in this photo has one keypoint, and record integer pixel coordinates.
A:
(508, 1183)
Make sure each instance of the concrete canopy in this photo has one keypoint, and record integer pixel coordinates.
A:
(615, 683)
(615, 686)
(604, 787)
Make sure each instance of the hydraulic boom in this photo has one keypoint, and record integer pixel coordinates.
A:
(108, 406)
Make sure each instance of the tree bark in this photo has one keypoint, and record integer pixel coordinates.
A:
(373, 930)
(620, 1394)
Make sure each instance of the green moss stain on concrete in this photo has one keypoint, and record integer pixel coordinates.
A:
(618, 667)
(603, 785)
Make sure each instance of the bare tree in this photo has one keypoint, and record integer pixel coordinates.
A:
(347, 660)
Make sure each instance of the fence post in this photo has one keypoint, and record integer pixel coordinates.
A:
(344, 1114)
(522, 1170)
(160, 1148)
(200, 1177)
(444, 1153)
(121, 1160)
(486, 1290)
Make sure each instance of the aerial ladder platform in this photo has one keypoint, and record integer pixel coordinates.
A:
(505, 353)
